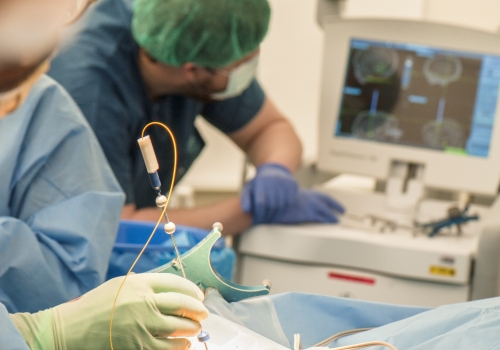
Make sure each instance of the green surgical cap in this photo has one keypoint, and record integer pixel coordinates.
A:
(209, 33)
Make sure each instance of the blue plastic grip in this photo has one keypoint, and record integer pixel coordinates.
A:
(155, 180)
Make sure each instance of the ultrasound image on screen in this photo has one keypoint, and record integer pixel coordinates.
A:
(420, 96)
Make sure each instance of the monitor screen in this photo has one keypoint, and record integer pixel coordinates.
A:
(419, 96)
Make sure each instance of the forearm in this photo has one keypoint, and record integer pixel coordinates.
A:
(278, 143)
(228, 212)
(270, 138)
(36, 329)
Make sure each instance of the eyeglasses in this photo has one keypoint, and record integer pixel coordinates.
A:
(76, 8)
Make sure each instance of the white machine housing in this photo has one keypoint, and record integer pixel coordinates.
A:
(362, 263)
(356, 261)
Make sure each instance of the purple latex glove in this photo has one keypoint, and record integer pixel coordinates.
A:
(272, 189)
(308, 207)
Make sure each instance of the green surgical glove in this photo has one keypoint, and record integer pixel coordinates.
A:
(150, 308)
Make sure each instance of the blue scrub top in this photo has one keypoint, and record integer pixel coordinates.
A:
(60, 203)
(100, 71)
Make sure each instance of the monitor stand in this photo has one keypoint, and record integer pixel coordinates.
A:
(404, 190)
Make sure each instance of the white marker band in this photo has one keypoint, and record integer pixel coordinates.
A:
(148, 153)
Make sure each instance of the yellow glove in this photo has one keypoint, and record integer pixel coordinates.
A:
(150, 308)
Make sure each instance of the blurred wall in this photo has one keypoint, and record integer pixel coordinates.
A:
(479, 14)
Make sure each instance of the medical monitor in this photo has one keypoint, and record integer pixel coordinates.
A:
(416, 92)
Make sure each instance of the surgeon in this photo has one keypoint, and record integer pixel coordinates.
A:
(59, 210)
(59, 200)
(140, 61)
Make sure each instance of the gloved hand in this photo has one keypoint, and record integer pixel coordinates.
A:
(150, 307)
(272, 189)
(309, 206)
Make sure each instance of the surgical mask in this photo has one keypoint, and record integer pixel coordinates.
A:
(13, 99)
(239, 79)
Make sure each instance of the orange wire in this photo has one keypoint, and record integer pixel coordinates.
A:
(174, 142)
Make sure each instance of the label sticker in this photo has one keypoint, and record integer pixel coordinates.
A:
(442, 271)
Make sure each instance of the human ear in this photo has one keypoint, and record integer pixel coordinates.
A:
(190, 71)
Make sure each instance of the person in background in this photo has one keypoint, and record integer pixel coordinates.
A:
(169, 61)
(60, 206)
